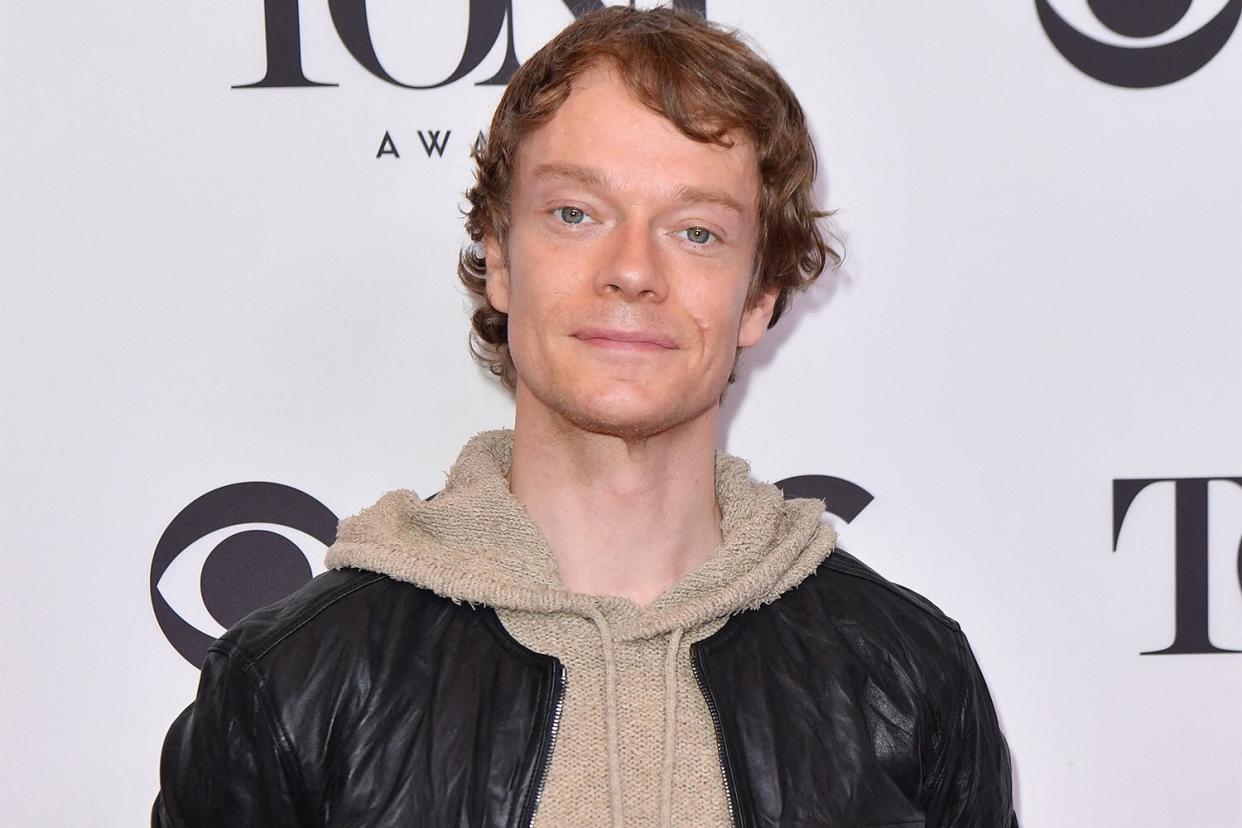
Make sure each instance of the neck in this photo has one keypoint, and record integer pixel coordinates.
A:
(623, 516)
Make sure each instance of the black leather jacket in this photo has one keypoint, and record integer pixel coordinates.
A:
(363, 701)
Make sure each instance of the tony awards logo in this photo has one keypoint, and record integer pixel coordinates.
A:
(488, 20)
(1190, 557)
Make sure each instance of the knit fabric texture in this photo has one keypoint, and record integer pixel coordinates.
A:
(636, 745)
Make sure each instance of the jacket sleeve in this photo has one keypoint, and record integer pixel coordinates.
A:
(226, 759)
(970, 784)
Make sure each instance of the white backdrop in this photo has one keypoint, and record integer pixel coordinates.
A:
(204, 286)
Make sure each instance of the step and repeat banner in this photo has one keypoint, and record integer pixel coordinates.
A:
(230, 317)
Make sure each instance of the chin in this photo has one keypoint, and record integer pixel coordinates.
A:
(632, 414)
(624, 410)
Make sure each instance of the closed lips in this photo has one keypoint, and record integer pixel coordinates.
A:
(604, 337)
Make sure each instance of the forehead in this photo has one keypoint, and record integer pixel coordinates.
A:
(602, 127)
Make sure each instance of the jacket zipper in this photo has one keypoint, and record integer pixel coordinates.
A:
(561, 682)
(720, 748)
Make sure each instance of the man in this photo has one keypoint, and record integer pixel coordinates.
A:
(599, 620)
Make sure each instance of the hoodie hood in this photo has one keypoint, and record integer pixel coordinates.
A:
(474, 542)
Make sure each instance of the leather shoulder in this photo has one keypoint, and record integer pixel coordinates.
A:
(872, 710)
(335, 592)
(370, 688)
(351, 613)
(841, 573)
(883, 628)
(854, 678)
(882, 621)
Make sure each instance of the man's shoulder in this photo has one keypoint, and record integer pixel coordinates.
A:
(877, 619)
(344, 611)
(849, 581)
(328, 594)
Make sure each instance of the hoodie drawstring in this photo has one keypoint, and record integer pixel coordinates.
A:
(670, 728)
(670, 722)
(610, 708)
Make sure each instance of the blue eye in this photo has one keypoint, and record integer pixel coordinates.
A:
(699, 235)
(570, 215)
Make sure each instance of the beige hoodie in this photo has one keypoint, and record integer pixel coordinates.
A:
(635, 744)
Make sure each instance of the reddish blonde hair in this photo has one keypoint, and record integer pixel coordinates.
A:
(708, 83)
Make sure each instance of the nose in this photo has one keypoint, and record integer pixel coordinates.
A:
(631, 267)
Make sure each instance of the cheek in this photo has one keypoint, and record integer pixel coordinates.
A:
(716, 320)
(538, 309)
(524, 321)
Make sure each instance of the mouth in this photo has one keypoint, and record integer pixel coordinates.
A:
(619, 340)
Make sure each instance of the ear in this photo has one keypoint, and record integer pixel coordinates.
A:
(755, 319)
(497, 273)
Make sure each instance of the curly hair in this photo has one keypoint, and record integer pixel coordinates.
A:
(708, 83)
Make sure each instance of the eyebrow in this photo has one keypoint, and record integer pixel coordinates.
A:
(592, 177)
(573, 172)
(697, 195)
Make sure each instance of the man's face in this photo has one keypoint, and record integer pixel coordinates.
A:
(629, 258)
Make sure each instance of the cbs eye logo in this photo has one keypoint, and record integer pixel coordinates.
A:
(1150, 61)
(841, 497)
(231, 551)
